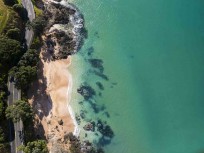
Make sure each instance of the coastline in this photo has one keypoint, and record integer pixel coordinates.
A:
(50, 95)
(76, 131)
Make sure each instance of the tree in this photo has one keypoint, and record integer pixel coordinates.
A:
(1, 109)
(10, 2)
(37, 43)
(38, 146)
(31, 58)
(38, 25)
(2, 136)
(2, 103)
(23, 75)
(14, 34)
(10, 51)
(19, 110)
(22, 12)
(18, 7)
(5, 148)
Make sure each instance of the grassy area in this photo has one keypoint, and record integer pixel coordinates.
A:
(4, 15)
(38, 11)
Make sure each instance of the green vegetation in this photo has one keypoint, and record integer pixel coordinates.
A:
(10, 52)
(26, 70)
(22, 12)
(4, 15)
(24, 75)
(14, 34)
(20, 110)
(37, 42)
(38, 12)
(2, 103)
(10, 2)
(15, 21)
(22, 64)
(38, 146)
(38, 25)
(4, 145)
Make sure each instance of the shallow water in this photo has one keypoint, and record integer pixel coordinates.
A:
(153, 56)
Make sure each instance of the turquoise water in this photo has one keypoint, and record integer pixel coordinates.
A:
(153, 55)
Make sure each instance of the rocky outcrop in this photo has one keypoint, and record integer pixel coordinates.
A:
(65, 30)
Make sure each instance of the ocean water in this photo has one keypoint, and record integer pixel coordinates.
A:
(153, 77)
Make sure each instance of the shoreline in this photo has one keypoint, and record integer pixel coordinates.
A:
(51, 93)
(76, 131)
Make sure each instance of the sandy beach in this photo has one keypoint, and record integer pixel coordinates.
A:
(50, 98)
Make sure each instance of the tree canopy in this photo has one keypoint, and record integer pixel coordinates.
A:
(4, 147)
(10, 51)
(2, 103)
(38, 146)
(38, 24)
(23, 75)
(19, 110)
(14, 34)
(31, 58)
(10, 2)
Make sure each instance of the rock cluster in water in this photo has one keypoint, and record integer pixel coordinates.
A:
(86, 91)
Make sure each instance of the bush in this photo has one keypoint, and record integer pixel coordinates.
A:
(38, 25)
(22, 12)
(10, 2)
(24, 75)
(20, 110)
(10, 51)
(14, 34)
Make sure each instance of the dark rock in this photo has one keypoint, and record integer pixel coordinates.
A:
(86, 91)
(105, 129)
(103, 76)
(90, 51)
(97, 63)
(100, 85)
(89, 126)
(60, 122)
(78, 119)
(82, 114)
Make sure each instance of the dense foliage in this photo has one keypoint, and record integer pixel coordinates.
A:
(22, 12)
(19, 110)
(38, 146)
(26, 70)
(10, 2)
(4, 147)
(2, 103)
(38, 25)
(10, 51)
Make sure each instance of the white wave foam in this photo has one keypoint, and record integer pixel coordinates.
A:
(71, 112)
